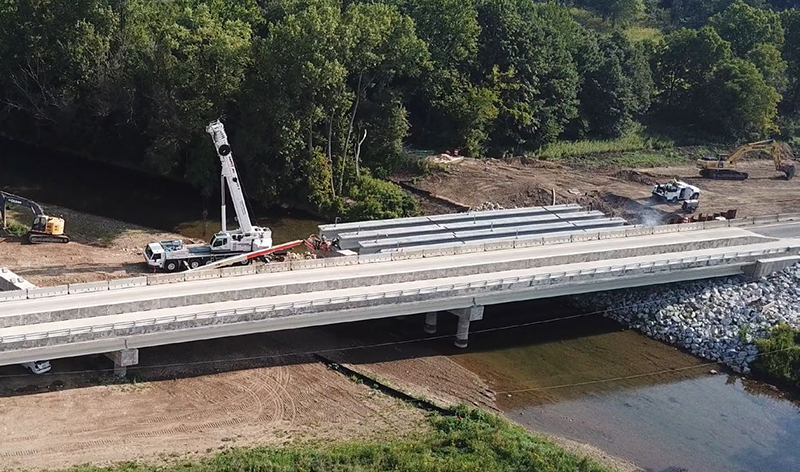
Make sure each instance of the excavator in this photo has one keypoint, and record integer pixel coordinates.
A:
(45, 229)
(723, 166)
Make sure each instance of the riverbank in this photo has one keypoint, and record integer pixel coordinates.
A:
(465, 440)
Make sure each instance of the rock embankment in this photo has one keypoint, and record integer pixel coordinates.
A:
(715, 319)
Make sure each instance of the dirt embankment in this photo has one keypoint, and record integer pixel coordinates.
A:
(619, 192)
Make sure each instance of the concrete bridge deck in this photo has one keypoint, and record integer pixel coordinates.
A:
(123, 320)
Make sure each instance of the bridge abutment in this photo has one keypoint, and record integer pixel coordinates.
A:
(465, 317)
(430, 322)
(123, 359)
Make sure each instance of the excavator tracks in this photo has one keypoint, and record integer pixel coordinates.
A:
(724, 174)
(39, 238)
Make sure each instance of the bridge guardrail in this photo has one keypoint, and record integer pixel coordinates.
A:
(552, 278)
(632, 231)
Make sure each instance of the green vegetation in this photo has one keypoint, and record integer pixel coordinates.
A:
(473, 440)
(318, 93)
(779, 355)
(15, 228)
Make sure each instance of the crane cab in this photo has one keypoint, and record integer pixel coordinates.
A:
(48, 225)
(241, 241)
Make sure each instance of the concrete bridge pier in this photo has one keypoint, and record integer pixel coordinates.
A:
(122, 359)
(465, 316)
(430, 322)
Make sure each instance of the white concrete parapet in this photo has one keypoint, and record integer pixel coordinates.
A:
(88, 287)
(127, 283)
(48, 291)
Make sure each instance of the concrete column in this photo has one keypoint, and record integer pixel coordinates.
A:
(430, 322)
(462, 332)
(465, 316)
(122, 359)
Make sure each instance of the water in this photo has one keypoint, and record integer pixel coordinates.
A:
(589, 380)
(129, 195)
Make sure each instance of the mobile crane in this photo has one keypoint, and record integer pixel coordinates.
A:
(175, 255)
(45, 229)
(724, 166)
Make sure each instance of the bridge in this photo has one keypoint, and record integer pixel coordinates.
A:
(119, 317)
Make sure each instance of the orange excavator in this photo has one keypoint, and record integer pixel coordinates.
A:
(723, 166)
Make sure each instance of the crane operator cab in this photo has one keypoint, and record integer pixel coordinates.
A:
(240, 241)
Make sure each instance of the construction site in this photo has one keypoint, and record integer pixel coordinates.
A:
(276, 386)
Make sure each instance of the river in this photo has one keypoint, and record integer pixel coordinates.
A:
(589, 380)
(586, 378)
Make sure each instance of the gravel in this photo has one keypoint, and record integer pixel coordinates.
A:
(717, 319)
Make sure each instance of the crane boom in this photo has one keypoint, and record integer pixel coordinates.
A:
(217, 131)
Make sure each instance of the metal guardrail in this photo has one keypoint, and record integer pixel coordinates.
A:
(664, 265)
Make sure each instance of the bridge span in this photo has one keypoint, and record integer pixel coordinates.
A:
(119, 317)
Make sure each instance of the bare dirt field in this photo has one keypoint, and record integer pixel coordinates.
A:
(250, 391)
(101, 249)
(622, 192)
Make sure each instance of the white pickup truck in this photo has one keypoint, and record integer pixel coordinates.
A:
(37, 367)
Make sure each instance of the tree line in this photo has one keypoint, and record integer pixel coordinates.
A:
(320, 96)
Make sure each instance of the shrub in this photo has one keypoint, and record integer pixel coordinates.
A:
(378, 199)
(779, 355)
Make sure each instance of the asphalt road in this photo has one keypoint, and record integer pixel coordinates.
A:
(779, 230)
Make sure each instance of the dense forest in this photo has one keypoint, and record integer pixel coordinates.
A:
(321, 97)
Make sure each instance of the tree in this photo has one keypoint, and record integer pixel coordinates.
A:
(620, 11)
(739, 101)
(526, 61)
(616, 86)
(790, 20)
(683, 63)
(745, 27)
(769, 62)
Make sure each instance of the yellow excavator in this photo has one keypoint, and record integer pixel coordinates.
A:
(45, 229)
(724, 165)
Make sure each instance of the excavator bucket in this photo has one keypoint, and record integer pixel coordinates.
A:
(789, 170)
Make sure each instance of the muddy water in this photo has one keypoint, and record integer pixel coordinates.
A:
(591, 381)
(128, 195)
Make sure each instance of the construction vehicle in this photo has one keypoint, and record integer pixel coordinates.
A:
(45, 229)
(724, 165)
(175, 255)
(676, 191)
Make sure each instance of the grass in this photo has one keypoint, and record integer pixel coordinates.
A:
(471, 441)
(780, 356)
(637, 34)
(635, 149)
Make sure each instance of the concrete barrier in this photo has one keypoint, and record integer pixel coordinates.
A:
(161, 279)
(306, 264)
(469, 248)
(556, 239)
(716, 224)
(13, 295)
(581, 237)
(498, 246)
(48, 291)
(273, 267)
(405, 255)
(372, 258)
(690, 226)
(340, 261)
(237, 271)
(127, 283)
(88, 287)
(528, 242)
(613, 234)
(638, 231)
(666, 229)
(202, 275)
(448, 251)
(788, 216)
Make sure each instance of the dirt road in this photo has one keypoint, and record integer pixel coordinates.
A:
(623, 192)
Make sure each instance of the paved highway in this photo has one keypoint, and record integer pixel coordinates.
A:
(779, 230)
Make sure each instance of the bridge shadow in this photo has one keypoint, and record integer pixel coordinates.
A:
(505, 327)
